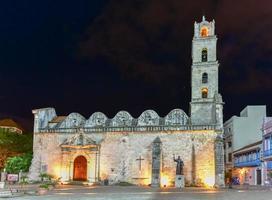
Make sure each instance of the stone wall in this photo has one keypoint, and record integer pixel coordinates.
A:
(119, 151)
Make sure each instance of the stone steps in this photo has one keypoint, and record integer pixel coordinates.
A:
(5, 193)
(78, 183)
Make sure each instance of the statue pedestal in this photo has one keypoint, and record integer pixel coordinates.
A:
(3, 176)
(2, 185)
(179, 182)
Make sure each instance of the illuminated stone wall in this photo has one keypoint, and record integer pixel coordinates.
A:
(120, 151)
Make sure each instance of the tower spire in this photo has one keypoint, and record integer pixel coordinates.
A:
(203, 18)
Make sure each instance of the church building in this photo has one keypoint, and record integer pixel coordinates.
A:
(141, 150)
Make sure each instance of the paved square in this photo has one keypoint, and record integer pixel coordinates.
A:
(144, 193)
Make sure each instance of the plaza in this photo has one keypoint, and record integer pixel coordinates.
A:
(147, 193)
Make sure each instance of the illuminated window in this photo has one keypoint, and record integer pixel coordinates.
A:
(204, 78)
(204, 55)
(204, 92)
(204, 31)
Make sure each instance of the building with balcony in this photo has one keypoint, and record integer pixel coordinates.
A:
(267, 148)
(240, 133)
(247, 164)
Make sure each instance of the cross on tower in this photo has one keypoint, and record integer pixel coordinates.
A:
(140, 162)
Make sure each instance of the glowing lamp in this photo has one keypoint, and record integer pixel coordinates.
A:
(209, 181)
(164, 181)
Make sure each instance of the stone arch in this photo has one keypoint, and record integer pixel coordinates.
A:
(80, 168)
(204, 55)
(205, 77)
(176, 117)
(96, 119)
(149, 118)
(204, 31)
(73, 120)
(122, 118)
(204, 93)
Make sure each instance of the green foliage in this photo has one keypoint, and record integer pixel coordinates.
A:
(17, 163)
(13, 144)
(23, 180)
(45, 177)
(45, 186)
(19, 143)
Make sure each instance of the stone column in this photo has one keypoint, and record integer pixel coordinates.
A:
(156, 163)
(219, 162)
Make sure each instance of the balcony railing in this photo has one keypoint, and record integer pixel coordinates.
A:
(267, 153)
(269, 165)
(249, 163)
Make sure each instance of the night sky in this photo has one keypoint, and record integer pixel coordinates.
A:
(101, 55)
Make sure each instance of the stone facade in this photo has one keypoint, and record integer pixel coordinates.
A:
(140, 150)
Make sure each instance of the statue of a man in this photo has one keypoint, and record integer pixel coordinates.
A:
(180, 164)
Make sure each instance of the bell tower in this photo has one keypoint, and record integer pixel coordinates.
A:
(204, 76)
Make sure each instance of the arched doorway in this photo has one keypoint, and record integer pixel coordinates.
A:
(80, 169)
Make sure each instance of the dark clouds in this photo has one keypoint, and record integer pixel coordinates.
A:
(246, 45)
(128, 54)
(151, 40)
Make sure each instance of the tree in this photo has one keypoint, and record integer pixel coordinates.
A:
(13, 144)
(18, 163)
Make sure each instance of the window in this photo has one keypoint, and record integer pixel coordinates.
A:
(204, 92)
(204, 55)
(229, 157)
(44, 168)
(204, 78)
(229, 144)
(204, 31)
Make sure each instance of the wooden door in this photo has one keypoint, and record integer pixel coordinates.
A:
(80, 169)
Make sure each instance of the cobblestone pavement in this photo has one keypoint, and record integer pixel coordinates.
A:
(141, 193)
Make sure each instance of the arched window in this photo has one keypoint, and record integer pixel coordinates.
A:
(205, 78)
(204, 93)
(204, 31)
(204, 55)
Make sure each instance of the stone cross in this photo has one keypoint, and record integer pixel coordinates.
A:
(140, 162)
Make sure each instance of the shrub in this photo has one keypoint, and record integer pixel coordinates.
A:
(44, 186)
(18, 163)
(45, 177)
(13, 144)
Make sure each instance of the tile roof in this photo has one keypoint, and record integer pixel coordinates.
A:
(10, 123)
(58, 119)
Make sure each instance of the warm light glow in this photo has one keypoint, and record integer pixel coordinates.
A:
(243, 171)
(164, 180)
(204, 31)
(64, 183)
(204, 92)
(57, 170)
(207, 176)
(209, 181)
(60, 172)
